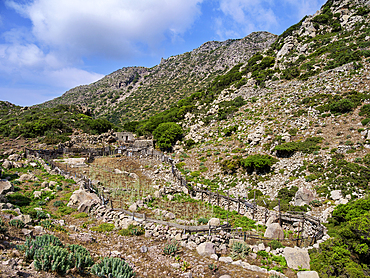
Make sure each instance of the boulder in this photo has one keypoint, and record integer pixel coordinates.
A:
(37, 194)
(5, 187)
(336, 195)
(303, 197)
(80, 196)
(7, 164)
(133, 207)
(206, 249)
(87, 205)
(227, 260)
(308, 274)
(272, 219)
(28, 177)
(14, 157)
(214, 222)
(25, 218)
(274, 230)
(297, 258)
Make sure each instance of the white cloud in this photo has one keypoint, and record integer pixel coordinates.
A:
(305, 7)
(245, 16)
(50, 52)
(108, 28)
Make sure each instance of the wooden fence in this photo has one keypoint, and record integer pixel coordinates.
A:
(206, 195)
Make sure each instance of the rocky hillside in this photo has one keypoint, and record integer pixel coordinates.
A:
(135, 93)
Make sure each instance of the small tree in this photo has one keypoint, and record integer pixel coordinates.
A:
(167, 134)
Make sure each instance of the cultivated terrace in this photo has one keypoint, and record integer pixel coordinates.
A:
(260, 165)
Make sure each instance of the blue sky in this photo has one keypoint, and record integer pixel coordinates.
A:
(50, 46)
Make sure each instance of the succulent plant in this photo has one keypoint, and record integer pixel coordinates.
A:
(171, 248)
(16, 223)
(239, 249)
(112, 267)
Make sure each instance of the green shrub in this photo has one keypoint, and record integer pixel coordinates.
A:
(58, 204)
(40, 242)
(203, 221)
(104, 227)
(41, 215)
(80, 215)
(286, 195)
(47, 224)
(167, 134)
(132, 230)
(365, 121)
(112, 267)
(258, 162)
(3, 228)
(19, 199)
(171, 248)
(81, 257)
(12, 212)
(64, 210)
(275, 244)
(308, 146)
(53, 258)
(239, 250)
(17, 223)
(251, 193)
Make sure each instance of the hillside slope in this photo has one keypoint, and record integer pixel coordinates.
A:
(135, 93)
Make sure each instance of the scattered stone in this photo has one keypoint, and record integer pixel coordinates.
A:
(143, 249)
(297, 258)
(133, 207)
(80, 196)
(336, 195)
(274, 230)
(214, 257)
(303, 197)
(5, 187)
(214, 222)
(308, 274)
(227, 260)
(225, 276)
(206, 249)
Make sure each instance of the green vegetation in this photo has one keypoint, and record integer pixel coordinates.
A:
(172, 248)
(104, 227)
(132, 230)
(346, 254)
(112, 267)
(53, 123)
(307, 146)
(167, 134)
(239, 250)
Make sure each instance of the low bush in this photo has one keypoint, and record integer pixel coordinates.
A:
(239, 250)
(104, 227)
(275, 244)
(16, 223)
(132, 230)
(112, 267)
(258, 162)
(171, 248)
(308, 146)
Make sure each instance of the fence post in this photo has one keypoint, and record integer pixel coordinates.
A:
(218, 198)
(280, 215)
(238, 204)
(209, 196)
